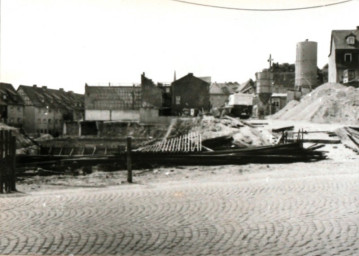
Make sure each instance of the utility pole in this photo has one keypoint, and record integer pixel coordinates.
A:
(270, 61)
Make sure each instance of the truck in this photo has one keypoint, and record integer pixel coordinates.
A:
(241, 104)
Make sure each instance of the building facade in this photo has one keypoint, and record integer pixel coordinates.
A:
(46, 110)
(155, 102)
(112, 103)
(11, 106)
(344, 57)
(219, 93)
(190, 95)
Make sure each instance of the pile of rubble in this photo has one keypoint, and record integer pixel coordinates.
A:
(243, 134)
(329, 103)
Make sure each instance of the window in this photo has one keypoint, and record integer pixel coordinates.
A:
(351, 40)
(348, 57)
(178, 100)
(49, 121)
(19, 120)
(44, 121)
(39, 120)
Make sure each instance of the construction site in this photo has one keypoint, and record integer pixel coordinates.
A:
(253, 125)
(319, 127)
(166, 128)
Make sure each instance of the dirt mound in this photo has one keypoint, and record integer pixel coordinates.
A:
(329, 103)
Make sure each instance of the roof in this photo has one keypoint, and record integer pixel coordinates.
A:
(113, 97)
(279, 95)
(8, 95)
(207, 79)
(189, 77)
(244, 87)
(223, 88)
(339, 39)
(57, 99)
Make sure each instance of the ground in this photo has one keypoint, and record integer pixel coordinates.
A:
(256, 209)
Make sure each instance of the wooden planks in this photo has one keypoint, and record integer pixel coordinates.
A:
(190, 142)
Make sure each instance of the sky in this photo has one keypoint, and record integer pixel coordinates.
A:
(67, 43)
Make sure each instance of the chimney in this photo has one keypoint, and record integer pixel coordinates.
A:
(357, 27)
(44, 87)
(34, 86)
(61, 89)
(191, 74)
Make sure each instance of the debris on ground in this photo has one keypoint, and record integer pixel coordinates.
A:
(349, 137)
(210, 128)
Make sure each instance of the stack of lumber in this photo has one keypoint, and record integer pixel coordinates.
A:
(283, 153)
(349, 137)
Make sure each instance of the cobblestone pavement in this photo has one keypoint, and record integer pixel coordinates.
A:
(254, 215)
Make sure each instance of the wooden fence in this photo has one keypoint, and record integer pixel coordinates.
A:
(7, 162)
(191, 142)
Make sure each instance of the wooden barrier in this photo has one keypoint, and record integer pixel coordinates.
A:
(191, 142)
(7, 162)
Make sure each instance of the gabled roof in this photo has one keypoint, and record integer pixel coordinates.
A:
(189, 77)
(8, 95)
(244, 87)
(56, 99)
(339, 39)
(223, 88)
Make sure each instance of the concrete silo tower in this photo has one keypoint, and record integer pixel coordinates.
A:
(264, 90)
(306, 66)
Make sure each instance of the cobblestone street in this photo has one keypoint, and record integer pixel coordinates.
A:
(250, 214)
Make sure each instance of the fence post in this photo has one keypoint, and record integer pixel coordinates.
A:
(7, 161)
(13, 164)
(129, 160)
(2, 162)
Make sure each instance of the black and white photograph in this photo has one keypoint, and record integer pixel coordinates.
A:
(179, 127)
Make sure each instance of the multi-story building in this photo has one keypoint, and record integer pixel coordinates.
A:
(190, 95)
(46, 110)
(11, 106)
(344, 57)
(112, 103)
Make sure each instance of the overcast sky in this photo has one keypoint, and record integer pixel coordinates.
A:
(67, 43)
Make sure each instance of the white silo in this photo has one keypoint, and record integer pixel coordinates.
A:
(306, 65)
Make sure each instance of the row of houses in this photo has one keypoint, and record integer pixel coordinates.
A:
(39, 109)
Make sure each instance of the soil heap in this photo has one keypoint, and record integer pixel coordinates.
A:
(328, 103)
